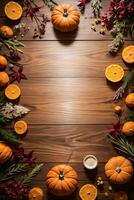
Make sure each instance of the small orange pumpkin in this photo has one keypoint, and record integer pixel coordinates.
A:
(128, 128)
(36, 193)
(3, 62)
(117, 109)
(65, 17)
(119, 170)
(130, 100)
(6, 32)
(62, 180)
(5, 153)
(4, 78)
(120, 195)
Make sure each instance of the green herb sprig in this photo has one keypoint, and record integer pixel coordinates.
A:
(123, 146)
(96, 6)
(9, 137)
(28, 178)
(13, 171)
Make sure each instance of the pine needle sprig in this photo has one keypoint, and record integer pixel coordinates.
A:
(96, 6)
(123, 146)
(13, 171)
(9, 137)
(28, 178)
(126, 83)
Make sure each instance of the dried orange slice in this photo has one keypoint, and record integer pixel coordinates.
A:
(13, 10)
(12, 91)
(20, 127)
(114, 73)
(36, 193)
(88, 192)
(128, 54)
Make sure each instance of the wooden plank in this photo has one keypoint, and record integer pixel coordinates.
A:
(68, 100)
(69, 143)
(78, 59)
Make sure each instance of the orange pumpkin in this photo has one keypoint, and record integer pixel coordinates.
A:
(36, 193)
(5, 153)
(62, 180)
(120, 195)
(65, 17)
(119, 170)
(88, 192)
(6, 32)
(128, 54)
(117, 109)
(130, 100)
(3, 62)
(4, 78)
(128, 128)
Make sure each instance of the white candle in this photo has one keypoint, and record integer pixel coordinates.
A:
(90, 162)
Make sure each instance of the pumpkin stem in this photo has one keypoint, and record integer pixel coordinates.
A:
(118, 170)
(61, 176)
(65, 14)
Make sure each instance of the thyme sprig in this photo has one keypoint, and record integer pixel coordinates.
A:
(96, 6)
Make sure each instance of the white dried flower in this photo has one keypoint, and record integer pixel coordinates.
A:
(10, 111)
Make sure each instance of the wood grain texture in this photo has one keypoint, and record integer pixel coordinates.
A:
(64, 59)
(70, 99)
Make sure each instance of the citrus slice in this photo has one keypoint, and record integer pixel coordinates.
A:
(114, 73)
(36, 193)
(128, 54)
(13, 10)
(88, 192)
(20, 127)
(12, 91)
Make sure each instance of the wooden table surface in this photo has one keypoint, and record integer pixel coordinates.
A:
(69, 98)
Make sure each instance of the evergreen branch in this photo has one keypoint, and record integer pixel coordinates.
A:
(13, 171)
(28, 178)
(123, 146)
(9, 137)
(97, 6)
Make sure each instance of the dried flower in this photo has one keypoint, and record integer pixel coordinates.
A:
(116, 43)
(116, 129)
(10, 111)
(19, 154)
(17, 75)
(33, 11)
(81, 5)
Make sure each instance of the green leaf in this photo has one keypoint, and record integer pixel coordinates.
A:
(13, 171)
(9, 137)
(97, 6)
(28, 178)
